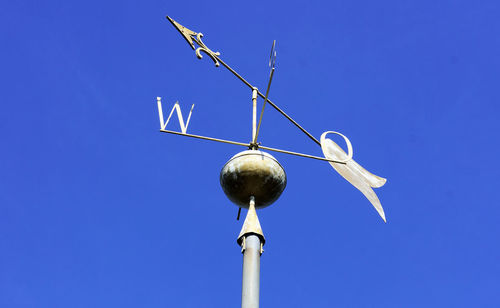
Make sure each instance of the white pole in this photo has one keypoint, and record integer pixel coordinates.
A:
(251, 240)
(251, 273)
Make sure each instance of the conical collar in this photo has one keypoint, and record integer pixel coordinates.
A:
(251, 224)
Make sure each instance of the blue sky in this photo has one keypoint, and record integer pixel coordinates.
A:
(99, 209)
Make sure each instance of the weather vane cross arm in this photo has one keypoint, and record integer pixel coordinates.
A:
(193, 37)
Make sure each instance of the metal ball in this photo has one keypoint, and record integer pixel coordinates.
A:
(253, 173)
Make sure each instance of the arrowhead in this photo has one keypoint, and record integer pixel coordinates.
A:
(186, 33)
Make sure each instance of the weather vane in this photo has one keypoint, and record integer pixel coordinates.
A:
(254, 179)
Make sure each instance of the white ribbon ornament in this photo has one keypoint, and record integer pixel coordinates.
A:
(358, 176)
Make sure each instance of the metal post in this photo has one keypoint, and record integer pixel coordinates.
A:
(254, 113)
(251, 240)
(251, 272)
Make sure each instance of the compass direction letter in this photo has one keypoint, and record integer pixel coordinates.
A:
(179, 115)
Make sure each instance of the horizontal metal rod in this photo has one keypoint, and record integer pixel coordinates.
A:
(270, 103)
(301, 155)
(205, 138)
(248, 145)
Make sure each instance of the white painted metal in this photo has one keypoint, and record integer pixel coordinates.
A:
(358, 176)
(254, 113)
(251, 272)
(179, 115)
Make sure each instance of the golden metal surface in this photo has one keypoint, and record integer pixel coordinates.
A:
(253, 173)
(193, 37)
(185, 32)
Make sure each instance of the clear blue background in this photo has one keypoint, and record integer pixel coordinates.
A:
(99, 209)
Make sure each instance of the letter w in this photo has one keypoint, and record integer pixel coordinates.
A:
(179, 115)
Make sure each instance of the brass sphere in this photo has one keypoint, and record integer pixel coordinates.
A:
(253, 173)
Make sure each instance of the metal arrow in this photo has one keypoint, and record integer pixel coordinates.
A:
(193, 37)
